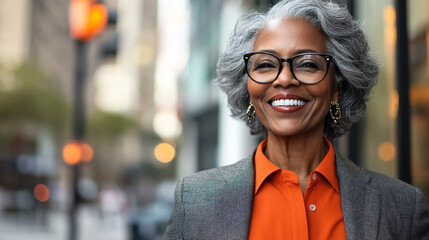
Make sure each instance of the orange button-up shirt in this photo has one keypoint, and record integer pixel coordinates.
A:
(280, 211)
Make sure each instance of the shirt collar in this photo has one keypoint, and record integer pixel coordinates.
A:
(264, 167)
(327, 167)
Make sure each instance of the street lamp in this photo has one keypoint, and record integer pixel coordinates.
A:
(87, 19)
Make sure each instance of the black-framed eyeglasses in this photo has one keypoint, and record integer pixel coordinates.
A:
(307, 68)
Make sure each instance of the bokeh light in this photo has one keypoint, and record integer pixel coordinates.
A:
(164, 152)
(72, 153)
(86, 20)
(387, 151)
(87, 152)
(144, 54)
(166, 124)
(393, 103)
(87, 188)
(97, 19)
(389, 14)
(41, 192)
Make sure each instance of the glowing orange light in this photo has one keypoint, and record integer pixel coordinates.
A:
(387, 151)
(427, 52)
(86, 19)
(389, 14)
(393, 103)
(79, 10)
(72, 153)
(87, 152)
(390, 26)
(41, 192)
(97, 20)
(164, 152)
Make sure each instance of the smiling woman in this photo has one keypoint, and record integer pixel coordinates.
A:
(287, 38)
(300, 76)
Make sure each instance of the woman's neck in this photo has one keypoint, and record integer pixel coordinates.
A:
(300, 154)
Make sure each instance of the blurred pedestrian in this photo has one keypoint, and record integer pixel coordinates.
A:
(112, 203)
(300, 76)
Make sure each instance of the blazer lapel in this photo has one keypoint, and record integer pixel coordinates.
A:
(360, 203)
(235, 206)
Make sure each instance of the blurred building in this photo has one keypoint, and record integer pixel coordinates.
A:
(211, 137)
(34, 39)
(15, 29)
(33, 44)
(378, 144)
(124, 84)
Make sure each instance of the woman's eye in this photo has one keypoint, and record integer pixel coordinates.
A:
(264, 65)
(307, 65)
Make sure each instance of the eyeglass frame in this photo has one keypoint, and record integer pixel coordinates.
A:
(328, 58)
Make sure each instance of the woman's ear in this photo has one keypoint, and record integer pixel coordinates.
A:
(338, 91)
(337, 94)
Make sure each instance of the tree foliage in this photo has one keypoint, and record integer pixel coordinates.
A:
(31, 96)
(110, 125)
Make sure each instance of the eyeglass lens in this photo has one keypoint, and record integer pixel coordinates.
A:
(307, 68)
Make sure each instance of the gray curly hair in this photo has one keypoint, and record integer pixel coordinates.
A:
(355, 73)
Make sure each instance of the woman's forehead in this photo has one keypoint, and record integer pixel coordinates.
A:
(290, 34)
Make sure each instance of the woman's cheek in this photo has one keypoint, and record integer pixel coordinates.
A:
(256, 90)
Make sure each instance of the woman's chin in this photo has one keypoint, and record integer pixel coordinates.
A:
(293, 130)
(284, 132)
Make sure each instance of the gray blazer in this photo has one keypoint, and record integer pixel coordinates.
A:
(217, 204)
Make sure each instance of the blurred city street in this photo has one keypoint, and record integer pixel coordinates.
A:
(105, 104)
(55, 226)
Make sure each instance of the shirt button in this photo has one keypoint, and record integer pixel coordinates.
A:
(312, 207)
(314, 176)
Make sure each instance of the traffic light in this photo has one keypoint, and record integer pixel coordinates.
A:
(87, 19)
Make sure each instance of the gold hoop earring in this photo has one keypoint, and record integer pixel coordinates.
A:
(335, 115)
(250, 112)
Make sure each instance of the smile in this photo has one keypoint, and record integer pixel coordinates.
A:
(287, 103)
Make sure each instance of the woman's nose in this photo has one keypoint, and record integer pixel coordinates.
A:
(285, 77)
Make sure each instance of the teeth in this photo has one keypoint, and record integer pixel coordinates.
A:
(287, 103)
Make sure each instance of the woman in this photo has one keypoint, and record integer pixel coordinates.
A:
(299, 75)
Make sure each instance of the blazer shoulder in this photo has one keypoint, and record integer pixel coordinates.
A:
(402, 195)
(396, 209)
(406, 199)
(385, 183)
(240, 169)
(375, 180)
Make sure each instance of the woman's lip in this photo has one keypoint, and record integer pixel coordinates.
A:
(288, 109)
(287, 96)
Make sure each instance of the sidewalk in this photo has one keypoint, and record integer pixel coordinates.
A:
(22, 226)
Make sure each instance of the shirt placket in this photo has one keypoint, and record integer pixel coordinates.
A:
(292, 189)
(310, 201)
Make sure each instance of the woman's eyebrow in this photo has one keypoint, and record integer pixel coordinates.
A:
(268, 50)
(298, 51)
